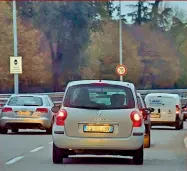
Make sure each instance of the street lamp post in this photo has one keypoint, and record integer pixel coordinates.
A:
(16, 76)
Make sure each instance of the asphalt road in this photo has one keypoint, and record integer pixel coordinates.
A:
(31, 150)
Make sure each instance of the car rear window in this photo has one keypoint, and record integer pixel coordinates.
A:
(99, 97)
(25, 101)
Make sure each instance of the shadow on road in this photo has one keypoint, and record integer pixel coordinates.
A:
(28, 133)
(171, 129)
(98, 160)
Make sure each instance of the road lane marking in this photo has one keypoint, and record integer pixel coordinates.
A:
(36, 149)
(185, 142)
(51, 143)
(14, 160)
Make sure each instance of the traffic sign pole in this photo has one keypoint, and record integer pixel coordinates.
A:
(120, 40)
(16, 76)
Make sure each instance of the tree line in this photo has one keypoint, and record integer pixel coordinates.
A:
(64, 41)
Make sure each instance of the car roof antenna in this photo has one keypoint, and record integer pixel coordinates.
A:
(100, 70)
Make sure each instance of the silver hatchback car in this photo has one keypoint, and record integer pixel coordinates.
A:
(26, 111)
(98, 117)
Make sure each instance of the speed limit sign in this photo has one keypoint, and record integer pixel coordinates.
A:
(121, 70)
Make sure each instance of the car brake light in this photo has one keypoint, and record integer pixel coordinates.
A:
(99, 84)
(7, 109)
(177, 110)
(61, 117)
(42, 110)
(136, 119)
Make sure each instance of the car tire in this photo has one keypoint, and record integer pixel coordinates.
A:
(3, 130)
(182, 125)
(15, 130)
(57, 155)
(184, 118)
(147, 139)
(138, 157)
(50, 130)
(177, 124)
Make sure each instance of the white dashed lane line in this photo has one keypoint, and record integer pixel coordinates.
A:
(185, 142)
(36, 149)
(14, 160)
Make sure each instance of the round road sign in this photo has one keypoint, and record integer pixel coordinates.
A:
(121, 70)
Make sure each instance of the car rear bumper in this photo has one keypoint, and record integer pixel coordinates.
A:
(185, 115)
(134, 142)
(24, 123)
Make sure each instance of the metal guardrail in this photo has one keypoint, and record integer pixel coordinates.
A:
(56, 97)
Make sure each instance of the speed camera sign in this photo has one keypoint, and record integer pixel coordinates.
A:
(121, 70)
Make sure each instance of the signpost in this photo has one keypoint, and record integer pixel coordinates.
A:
(121, 70)
(15, 65)
(14, 13)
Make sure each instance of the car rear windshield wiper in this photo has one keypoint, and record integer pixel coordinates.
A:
(86, 107)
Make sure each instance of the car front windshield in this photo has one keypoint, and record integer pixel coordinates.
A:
(99, 97)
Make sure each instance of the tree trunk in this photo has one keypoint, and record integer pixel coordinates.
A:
(55, 65)
(55, 74)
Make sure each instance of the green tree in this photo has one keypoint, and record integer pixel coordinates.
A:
(141, 13)
(178, 32)
(36, 65)
(67, 27)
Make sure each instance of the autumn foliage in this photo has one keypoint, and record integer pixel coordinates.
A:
(145, 53)
(36, 64)
(153, 57)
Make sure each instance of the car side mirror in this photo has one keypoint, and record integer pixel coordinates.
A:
(151, 110)
(57, 104)
(145, 111)
(55, 109)
(183, 106)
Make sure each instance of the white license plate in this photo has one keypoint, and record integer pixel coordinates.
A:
(98, 128)
(24, 113)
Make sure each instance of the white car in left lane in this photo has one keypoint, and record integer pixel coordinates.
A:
(98, 117)
(27, 111)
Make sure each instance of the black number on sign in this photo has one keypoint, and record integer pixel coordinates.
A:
(15, 62)
(121, 70)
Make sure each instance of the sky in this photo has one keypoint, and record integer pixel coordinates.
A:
(125, 9)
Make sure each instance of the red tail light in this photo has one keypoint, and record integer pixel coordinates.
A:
(99, 84)
(61, 117)
(7, 109)
(136, 119)
(177, 109)
(42, 110)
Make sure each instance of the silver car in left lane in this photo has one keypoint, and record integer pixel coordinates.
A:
(26, 111)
